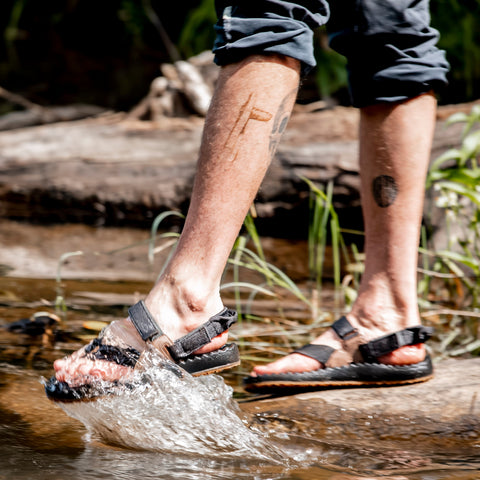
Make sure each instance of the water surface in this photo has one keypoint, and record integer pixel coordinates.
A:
(171, 427)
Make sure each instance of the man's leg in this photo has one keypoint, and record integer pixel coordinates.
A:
(249, 111)
(395, 143)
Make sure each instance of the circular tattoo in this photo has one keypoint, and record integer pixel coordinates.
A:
(384, 189)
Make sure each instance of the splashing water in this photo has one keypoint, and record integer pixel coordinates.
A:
(168, 410)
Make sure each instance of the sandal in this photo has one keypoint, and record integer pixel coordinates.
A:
(351, 370)
(179, 353)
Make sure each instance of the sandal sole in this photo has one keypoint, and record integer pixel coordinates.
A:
(268, 387)
(215, 370)
(353, 375)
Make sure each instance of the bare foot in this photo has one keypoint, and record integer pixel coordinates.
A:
(78, 369)
(297, 363)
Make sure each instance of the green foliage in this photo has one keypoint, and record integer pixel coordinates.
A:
(456, 172)
(243, 257)
(323, 219)
(331, 72)
(324, 229)
(457, 22)
(197, 33)
(454, 178)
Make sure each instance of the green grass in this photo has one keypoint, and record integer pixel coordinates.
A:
(449, 284)
(449, 275)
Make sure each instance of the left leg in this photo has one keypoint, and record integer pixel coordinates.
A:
(395, 143)
(393, 64)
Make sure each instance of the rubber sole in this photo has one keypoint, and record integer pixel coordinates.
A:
(350, 376)
(216, 370)
(227, 356)
(264, 387)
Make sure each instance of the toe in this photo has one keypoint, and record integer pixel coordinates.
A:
(59, 364)
(407, 355)
(216, 343)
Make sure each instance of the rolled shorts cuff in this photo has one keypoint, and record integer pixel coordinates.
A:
(265, 27)
(412, 73)
(391, 49)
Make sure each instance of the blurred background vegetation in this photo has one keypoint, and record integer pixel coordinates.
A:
(107, 52)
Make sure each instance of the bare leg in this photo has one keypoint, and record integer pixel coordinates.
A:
(395, 143)
(249, 111)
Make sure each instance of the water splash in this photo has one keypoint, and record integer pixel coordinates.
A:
(168, 410)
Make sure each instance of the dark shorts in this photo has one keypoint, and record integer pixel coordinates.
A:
(389, 45)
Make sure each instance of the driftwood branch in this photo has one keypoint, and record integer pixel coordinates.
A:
(157, 23)
(184, 89)
(19, 100)
(37, 115)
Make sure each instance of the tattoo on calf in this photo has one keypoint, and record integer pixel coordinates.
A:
(385, 190)
(280, 121)
(247, 112)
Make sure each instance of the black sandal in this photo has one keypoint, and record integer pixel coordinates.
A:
(179, 353)
(345, 370)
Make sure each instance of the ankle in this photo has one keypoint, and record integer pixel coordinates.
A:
(187, 304)
(375, 320)
(381, 307)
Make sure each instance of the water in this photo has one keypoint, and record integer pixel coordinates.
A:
(169, 411)
(169, 427)
(180, 427)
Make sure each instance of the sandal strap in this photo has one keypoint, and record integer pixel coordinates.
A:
(369, 351)
(320, 353)
(344, 329)
(126, 357)
(214, 326)
(144, 323)
(388, 343)
(149, 330)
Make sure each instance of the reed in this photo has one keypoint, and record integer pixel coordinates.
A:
(449, 284)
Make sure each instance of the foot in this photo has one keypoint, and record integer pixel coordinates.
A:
(297, 363)
(175, 320)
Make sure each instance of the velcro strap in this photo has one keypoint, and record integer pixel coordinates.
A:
(388, 343)
(321, 353)
(144, 322)
(203, 335)
(344, 329)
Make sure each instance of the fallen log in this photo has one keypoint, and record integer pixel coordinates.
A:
(42, 116)
(432, 419)
(121, 172)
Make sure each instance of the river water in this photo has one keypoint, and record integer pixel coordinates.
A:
(173, 426)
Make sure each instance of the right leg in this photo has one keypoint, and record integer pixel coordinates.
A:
(253, 101)
(249, 110)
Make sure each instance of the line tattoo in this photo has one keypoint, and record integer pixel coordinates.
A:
(247, 112)
(385, 190)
